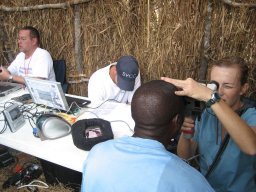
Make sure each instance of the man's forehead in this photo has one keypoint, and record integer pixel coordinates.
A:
(24, 33)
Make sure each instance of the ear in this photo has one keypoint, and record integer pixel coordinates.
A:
(244, 89)
(34, 41)
(176, 124)
(113, 73)
(114, 69)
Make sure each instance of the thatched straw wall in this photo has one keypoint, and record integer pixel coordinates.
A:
(165, 36)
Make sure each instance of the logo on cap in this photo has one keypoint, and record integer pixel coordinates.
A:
(130, 76)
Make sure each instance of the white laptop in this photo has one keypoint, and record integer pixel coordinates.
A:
(8, 87)
(50, 93)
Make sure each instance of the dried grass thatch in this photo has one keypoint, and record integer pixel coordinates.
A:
(165, 36)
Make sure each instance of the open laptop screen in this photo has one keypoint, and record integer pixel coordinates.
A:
(47, 93)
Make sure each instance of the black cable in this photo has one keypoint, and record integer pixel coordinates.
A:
(5, 122)
(8, 102)
(4, 128)
(103, 103)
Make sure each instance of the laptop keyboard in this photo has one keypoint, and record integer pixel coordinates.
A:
(5, 88)
(80, 102)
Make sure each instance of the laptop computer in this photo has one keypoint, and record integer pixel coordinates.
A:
(50, 93)
(8, 87)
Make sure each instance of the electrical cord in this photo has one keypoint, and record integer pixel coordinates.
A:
(92, 113)
(103, 103)
(25, 109)
(191, 158)
(97, 107)
(5, 122)
(109, 121)
(115, 121)
(31, 184)
(4, 128)
(27, 114)
(77, 108)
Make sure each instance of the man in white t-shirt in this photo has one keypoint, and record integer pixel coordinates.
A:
(117, 81)
(31, 61)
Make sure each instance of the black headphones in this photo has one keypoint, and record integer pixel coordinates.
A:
(51, 126)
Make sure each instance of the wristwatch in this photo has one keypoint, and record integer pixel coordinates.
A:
(214, 98)
(10, 78)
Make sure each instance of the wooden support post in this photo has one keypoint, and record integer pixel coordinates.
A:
(205, 48)
(78, 51)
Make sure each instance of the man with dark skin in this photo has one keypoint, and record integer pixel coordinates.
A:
(141, 162)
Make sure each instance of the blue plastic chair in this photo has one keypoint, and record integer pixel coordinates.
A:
(59, 67)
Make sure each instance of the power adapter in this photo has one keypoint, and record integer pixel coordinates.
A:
(5, 158)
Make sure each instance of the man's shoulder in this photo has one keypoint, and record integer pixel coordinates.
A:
(40, 51)
(101, 147)
(189, 176)
(100, 73)
(112, 142)
(20, 55)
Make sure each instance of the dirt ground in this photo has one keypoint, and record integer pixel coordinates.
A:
(23, 160)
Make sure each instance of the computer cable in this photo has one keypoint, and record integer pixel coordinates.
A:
(97, 107)
(103, 103)
(191, 158)
(4, 127)
(31, 120)
(5, 122)
(31, 106)
(74, 111)
(7, 104)
(89, 112)
(115, 121)
(36, 184)
(24, 176)
(29, 112)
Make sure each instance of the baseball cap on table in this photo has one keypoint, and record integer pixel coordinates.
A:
(127, 70)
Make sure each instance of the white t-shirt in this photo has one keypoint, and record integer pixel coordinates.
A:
(101, 87)
(40, 64)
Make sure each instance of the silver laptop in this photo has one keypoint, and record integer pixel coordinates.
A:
(8, 87)
(50, 93)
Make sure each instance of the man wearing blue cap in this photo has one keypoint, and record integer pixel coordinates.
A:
(117, 81)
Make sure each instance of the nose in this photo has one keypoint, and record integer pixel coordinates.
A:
(220, 90)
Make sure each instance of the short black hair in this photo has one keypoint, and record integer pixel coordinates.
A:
(33, 33)
(154, 105)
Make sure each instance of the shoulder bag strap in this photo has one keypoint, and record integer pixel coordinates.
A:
(223, 145)
(218, 155)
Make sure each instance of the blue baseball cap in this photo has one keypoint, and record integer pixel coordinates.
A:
(127, 70)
